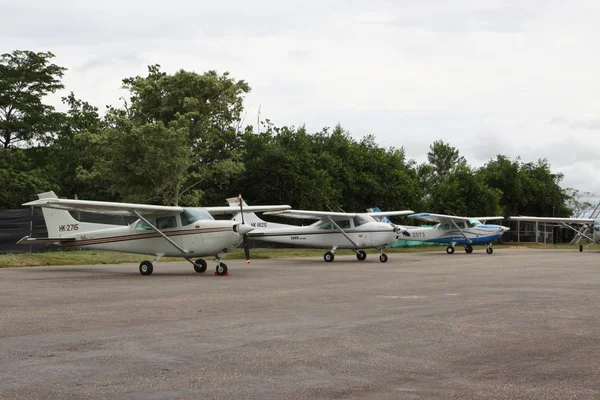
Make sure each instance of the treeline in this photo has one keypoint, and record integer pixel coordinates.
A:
(179, 139)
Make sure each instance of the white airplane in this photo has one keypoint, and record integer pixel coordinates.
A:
(586, 224)
(186, 232)
(455, 230)
(335, 230)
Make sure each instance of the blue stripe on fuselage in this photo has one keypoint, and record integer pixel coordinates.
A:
(462, 240)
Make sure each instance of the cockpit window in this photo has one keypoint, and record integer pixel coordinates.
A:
(143, 226)
(597, 228)
(362, 219)
(191, 215)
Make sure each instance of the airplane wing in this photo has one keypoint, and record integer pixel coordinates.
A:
(305, 214)
(580, 221)
(485, 219)
(104, 207)
(437, 218)
(226, 210)
(390, 213)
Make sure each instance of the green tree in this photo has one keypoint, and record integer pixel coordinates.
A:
(145, 163)
(25, 78)
(20, 178)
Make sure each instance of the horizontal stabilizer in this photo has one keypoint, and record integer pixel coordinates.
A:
(30, 240)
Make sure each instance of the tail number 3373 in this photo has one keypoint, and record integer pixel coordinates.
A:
(68, 227)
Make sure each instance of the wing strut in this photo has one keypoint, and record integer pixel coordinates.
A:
(181, 249)
(342, 231)
(461, 232)
(576, 231)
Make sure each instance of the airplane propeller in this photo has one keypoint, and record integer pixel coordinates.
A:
(244, 236)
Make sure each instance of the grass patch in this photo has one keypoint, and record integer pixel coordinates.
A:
(91, 257)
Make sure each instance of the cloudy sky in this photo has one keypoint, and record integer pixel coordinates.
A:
(519, 78)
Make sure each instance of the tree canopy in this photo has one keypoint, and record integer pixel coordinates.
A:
(179, 138)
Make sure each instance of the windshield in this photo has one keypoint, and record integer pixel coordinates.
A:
(363, 219)
(191, 215)
(473, 222)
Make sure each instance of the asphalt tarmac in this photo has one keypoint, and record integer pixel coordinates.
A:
(519, 324)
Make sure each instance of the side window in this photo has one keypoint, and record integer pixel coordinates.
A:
(444, 227)
(142, 226)
(461, 225)
(185, 219)
(344, 224)
(324, 225)
(166, 222)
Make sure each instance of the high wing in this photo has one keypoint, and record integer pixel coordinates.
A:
(581, 221)
(305, 214)
(227, 210)
(390, 213)
(441, 218)
(49, 200)
(485, 219)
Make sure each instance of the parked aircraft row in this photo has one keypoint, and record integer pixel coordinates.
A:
(193, 233)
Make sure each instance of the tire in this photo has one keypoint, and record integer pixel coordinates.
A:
(200, 266)
(468, 249)
(383, 257)
(328, 257)
(489, 250)
(361, 255)
(221, 269)
(146, 268)
(581, 248)
(450, 250)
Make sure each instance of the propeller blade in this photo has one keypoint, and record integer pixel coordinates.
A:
(241, 206)
(246, 249)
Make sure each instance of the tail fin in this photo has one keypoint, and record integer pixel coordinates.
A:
(380, 219)
(61, 223)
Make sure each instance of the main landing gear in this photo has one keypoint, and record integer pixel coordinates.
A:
(450, 249)
(468, 249)
(146, 267)
(200, 266)
(361, 255)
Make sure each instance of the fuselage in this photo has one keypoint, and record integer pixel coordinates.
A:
(447, 233)
(196, 232)
(363, 231)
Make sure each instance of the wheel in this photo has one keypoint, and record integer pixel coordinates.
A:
(328, 257)
(146, 268)
(361, 255)
(580, 248)
(489, 250)
(450, 250)
(221, 269)
(200, 266)
(468, 249)
(383, 257)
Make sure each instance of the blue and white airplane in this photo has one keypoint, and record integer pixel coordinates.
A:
(455, 230)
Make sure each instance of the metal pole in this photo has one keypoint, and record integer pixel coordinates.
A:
(518, 231)
(537, 233)
(31, 228)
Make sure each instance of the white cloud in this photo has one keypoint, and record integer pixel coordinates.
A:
(510, 77)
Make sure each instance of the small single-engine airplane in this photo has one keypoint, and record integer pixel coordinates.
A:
(586, 225)
(172, 231)
(455, 230)
(335, 230)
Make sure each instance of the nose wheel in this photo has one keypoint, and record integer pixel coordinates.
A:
(146, 268)
(221, 269)
(383, 257)
(489, 250)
